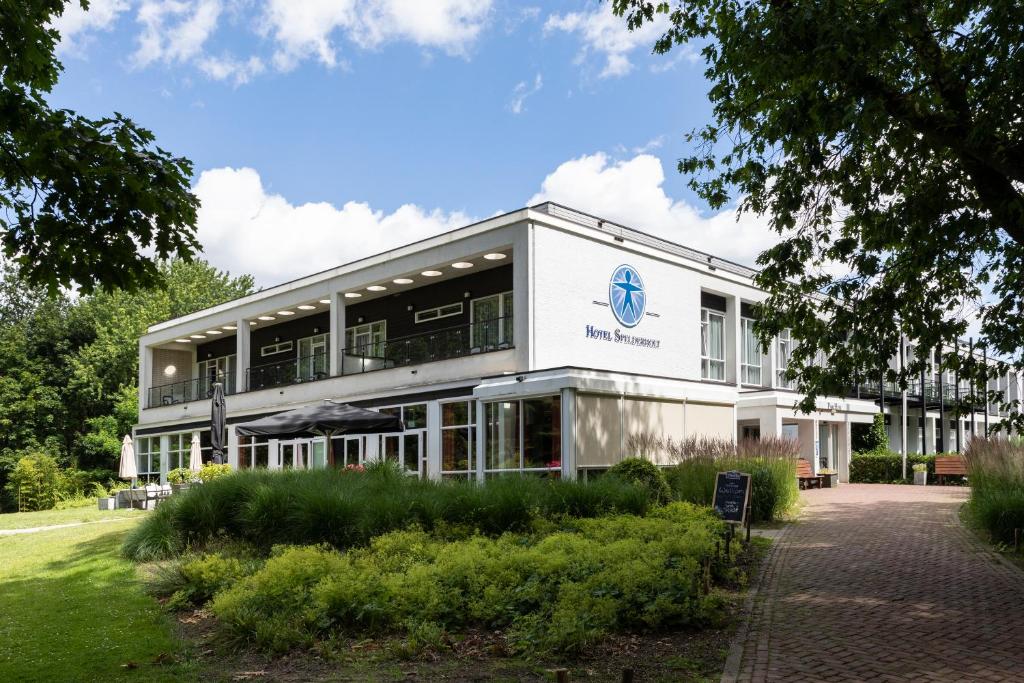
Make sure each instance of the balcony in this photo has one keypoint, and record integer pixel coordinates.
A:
(187, 390)
(291, 371)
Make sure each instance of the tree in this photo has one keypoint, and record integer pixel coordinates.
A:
(885, 143)
(80, 197)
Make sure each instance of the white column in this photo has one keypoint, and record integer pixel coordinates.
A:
(522, 298)
(372, 448)
(337, 341)
(807, 432)
(770, 422)
(232, 448)
(434, 441)
(273, 454)
(568, 426)
(242, 353)
(165, 451)
(481, 442)
(145, 374)
(845, 450)
(732, 340)
(768, 365)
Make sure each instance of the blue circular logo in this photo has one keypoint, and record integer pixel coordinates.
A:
(626, 296)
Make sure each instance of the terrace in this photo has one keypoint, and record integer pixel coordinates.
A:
(448, 312)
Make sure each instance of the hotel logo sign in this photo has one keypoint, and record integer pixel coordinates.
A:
(626, 296)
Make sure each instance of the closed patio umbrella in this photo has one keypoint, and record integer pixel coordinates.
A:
(128, 468)
(195, 455)
(217, 422)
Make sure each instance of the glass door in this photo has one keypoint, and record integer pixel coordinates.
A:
(312, 358)
(318, 454)
(485, 313)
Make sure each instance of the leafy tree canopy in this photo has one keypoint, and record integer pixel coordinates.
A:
(79, 197)
(884, 141)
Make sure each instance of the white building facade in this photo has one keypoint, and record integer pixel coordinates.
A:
(542, 340)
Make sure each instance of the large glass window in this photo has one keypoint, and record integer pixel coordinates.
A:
(147, 457)
(524, 435)
(783, 355)
(366, 340)
(751, 358)
(458, 439)
(179, 448)
(407, 448)
(492, 321)
(216, 370)
(712, 344)
(312, 358)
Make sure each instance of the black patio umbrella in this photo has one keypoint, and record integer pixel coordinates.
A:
(328, 419)
(217, 423)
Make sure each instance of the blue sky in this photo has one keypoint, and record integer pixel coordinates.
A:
(361, 125)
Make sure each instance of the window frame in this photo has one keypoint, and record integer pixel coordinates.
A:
(708, 361)
(745, 366)
(784, 340)
(375, 346)
(277, 347)
(422, 317)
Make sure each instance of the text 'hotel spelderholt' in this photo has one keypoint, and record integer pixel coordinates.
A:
(537, 341)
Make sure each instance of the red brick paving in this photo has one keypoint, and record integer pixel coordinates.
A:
(883, 583)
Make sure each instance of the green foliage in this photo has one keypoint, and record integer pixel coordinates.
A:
(886, 467)
(919, 467)
(83, 198)
(898, 156)
(344, 510)
(34, 482)
(182, 475)
(995, 469)
(211, 471)
(194, 581)
(645, 473)
(873, 438)
(556, 592)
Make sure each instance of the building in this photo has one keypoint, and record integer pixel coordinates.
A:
(541, 340)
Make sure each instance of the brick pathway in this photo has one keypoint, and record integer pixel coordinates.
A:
(882, 583)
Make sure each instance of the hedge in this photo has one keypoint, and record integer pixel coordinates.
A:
(887, 467)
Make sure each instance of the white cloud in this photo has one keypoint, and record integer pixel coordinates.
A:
(246, 229)
(522, 91)
(604, 33)
(77, 26)
(632, 192)
(304, 29)
(228, 68)
(175, 30)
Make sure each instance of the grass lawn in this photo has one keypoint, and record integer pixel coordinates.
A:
(73, 610)
(25, 520)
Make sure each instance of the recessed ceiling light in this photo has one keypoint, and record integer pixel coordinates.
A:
(496, 256)
(252, 322)
(183, 341)
(402, 281)
(352, 295)
(306, 307)
(230, 327)
(325, 301)
(214, 332)
(376, 288)
(462, 264)
(266, 317)
(198, 336)
(286, 312)
(431, 273)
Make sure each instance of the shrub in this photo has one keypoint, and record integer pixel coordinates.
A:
(265, 508)
(182, 475)
(34, 482)
(995, 469)
(771, 462)
(556, 592)
(646, 474)
(210, 471)
(194, 581)
(887, 467)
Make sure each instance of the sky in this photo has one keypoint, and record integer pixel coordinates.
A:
(322, 131)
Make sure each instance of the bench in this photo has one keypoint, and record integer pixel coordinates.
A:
(805, 476)
(949, 466)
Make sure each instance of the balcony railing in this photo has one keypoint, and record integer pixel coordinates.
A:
(188, 390)
(291, 371)
(451, 342)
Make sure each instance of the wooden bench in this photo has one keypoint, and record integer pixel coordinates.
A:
(805, 475)
(949, 466)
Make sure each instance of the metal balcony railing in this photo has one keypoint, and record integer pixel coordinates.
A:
(452, 342)
(291, 371)
(188, 390)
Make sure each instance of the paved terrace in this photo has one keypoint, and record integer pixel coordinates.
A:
(883, 583)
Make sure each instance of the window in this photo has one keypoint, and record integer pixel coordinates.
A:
(458, 440)
(147, 457)
(750, 366)
(524, 435)
(312, 359)
(784, 352)
(712, 344)
(492, 321)
(253, 453)
(366, 340)
(439, 312)
(179, 450)
(216, 370)
(406, 448)
(279, 347)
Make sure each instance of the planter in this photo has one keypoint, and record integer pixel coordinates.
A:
(107, 503)
(920, 478)
(829, 481)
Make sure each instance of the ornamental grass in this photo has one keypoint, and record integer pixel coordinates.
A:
(995, 472)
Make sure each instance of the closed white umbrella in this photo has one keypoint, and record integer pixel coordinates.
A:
(128, 468)
(195, 456)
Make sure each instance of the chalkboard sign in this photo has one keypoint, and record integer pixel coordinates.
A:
(732, 493)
